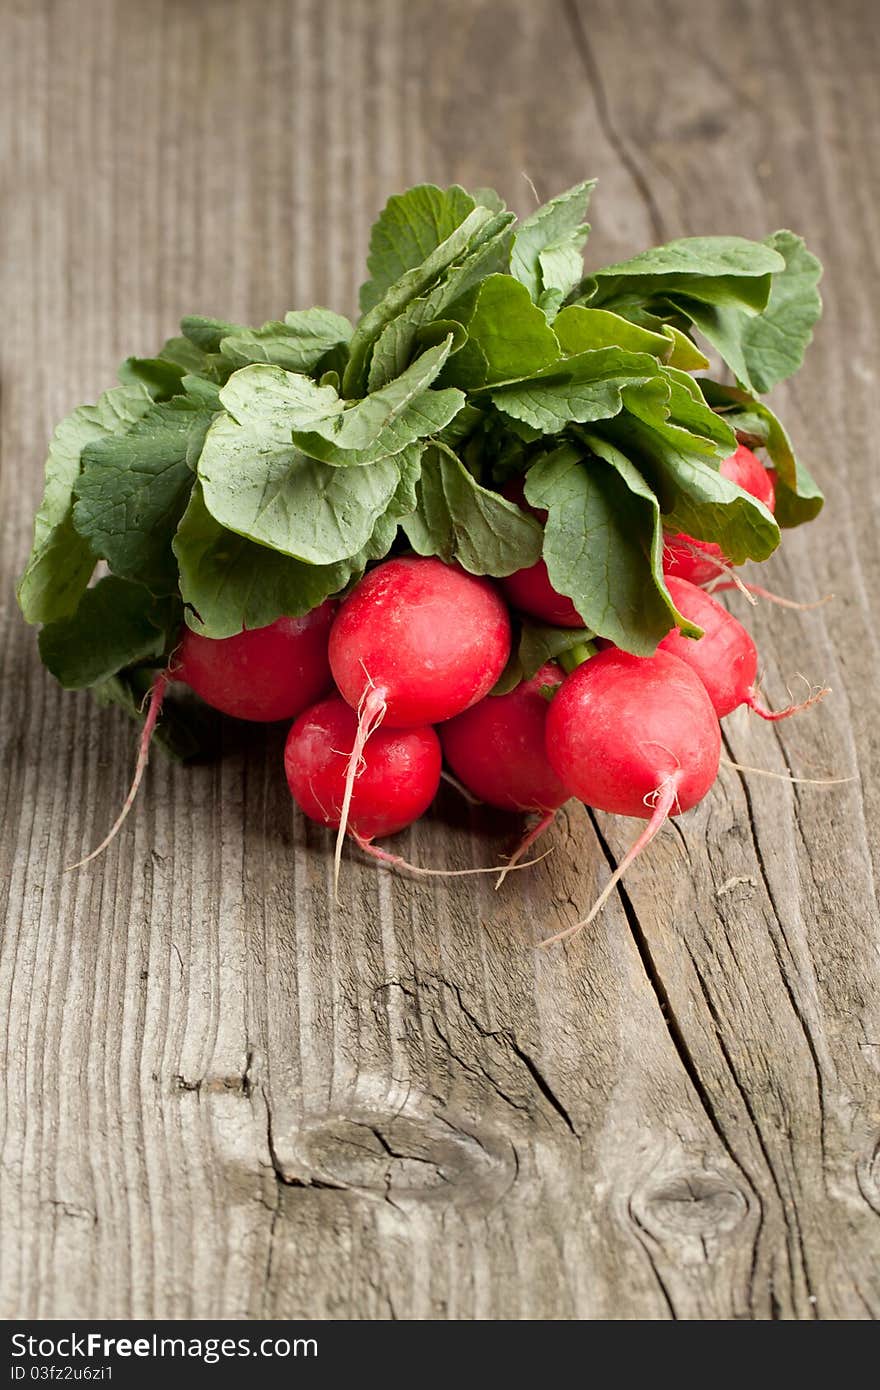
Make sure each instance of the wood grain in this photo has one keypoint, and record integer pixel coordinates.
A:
(223, 1095)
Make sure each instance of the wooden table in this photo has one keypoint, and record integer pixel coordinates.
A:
(225, 1097)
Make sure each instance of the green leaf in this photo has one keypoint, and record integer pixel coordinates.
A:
(685, 353)
(207, 334)
(133, 490)
(603, 544)
(161, 377)
(292, 408)
(209, 366)
(766, 349)
(232, 583)
(202, 392)
(775, 343)
(61, 561)
(687, 409)
(714, 270)
(581, 329)
(421, 320)
(539, 643)
(413, 284)
(682, 470)
(577, 389)
(488, 198)
(548, 247)
(458, 520)
(798, 498)
(385, 421)
(405, 337)
(298, 344)
(116, 624)
(508, 336)
(259, 484)
(410, 227)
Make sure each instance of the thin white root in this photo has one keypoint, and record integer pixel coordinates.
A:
(397, 863)
(371, 712)
(816, 693)
(717, 586)
(525, 844)
(156, 696)
(727, 576)
(665, 802)
(460, 788)
(785, 777)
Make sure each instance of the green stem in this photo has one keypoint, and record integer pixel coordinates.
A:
(576, 656)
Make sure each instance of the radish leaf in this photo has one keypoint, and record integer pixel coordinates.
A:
(409, 228)
(134, 487)
(61, 560)
(548, 247)
(117, 624)
(458, 520)
(603, 544)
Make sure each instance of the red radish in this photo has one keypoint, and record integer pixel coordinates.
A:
(701, 561)
(725, 657)
(496, 748)
(264, 673)
(261, 674)
(420, 638)
(635, 736)
(530, 590)
(395, 781)
(415, 642)
(395, 785)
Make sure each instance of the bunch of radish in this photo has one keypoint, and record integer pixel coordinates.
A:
(484, 525)
(418, 644)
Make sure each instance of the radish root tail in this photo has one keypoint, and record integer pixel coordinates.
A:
(525, 844)
(727, 576)
(400, 865)
(665, 801)
(816, 694)
(717, 587)
(371, 712)
(786, 777)
(154, 708)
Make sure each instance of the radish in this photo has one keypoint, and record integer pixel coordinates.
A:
(415, 642)
(497, 749)
(635, 736)
(529, 590)
(725, 657)
(396, 783)
(262, 674)
(701, 561)
(420, 639)
(396, 780)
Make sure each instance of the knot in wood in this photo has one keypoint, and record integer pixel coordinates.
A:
(693, 1204)
(420, 1158)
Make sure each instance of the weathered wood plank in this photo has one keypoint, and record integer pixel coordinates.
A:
(226, 1096)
